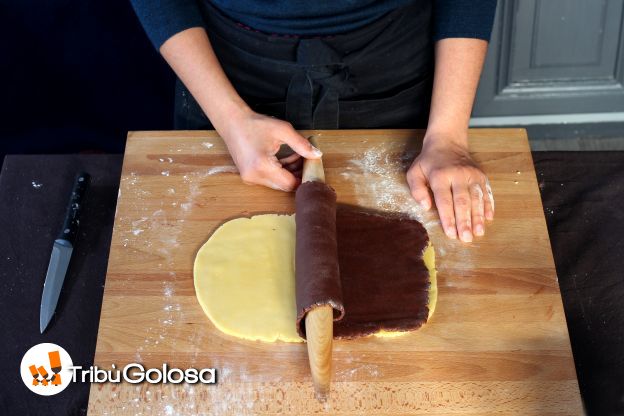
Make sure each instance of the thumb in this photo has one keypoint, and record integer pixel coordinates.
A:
(418, 187)
(300, 144)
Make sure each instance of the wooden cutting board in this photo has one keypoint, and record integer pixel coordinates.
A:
(497, 344)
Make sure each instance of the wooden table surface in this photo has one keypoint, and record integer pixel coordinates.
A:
(497, 344)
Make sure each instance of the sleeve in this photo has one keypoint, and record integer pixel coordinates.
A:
(162, 19)
(463, 19)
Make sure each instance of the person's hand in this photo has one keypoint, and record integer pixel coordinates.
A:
(254, 140)
(461, 190)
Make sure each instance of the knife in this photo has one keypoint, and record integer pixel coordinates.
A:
(62, 251)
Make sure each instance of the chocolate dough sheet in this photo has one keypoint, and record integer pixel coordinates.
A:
(382, 281)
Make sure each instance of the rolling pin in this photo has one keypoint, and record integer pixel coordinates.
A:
(319, 317)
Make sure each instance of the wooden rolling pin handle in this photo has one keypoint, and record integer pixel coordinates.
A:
(319, 325)
(313, 168)
(319, 322)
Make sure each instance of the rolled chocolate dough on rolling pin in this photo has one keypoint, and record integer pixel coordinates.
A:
(245, 273)
(368, 267)
(317, 273)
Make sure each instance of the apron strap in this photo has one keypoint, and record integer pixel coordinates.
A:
(320, 78)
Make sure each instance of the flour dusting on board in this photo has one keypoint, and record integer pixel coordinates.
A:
(153, 232)
(359, 371)
(384, 179)
(379, 177)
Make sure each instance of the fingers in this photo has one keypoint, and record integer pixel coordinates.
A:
(256, 141)
(444, 202)
(269, 172)
(460, 189)
(300, 144)
(294, 167)
(292, 163)
(276, 177)
(283, 180)
(418, 187)
(478, 209)
(488, 201)
(290, 159)
(462, 208)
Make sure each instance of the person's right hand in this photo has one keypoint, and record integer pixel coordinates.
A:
(253, 141)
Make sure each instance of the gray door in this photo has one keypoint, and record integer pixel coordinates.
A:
(552, 61)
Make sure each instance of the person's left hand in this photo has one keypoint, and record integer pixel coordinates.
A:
(461, 190)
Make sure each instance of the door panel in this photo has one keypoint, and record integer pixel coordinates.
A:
(553, 57)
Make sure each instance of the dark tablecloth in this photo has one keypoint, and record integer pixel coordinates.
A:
(583, 196)
(34, 191)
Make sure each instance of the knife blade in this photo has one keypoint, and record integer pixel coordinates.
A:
(62, 251)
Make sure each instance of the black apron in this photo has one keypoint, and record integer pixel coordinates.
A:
(379, 76)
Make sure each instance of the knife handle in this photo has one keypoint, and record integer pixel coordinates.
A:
(72, 217)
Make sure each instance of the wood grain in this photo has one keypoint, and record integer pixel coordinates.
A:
(497, 344)
(319, 324)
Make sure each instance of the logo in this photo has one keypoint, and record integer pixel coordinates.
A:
(134, 373)
(46, 369)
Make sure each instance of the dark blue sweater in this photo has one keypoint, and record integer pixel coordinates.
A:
(452, 18)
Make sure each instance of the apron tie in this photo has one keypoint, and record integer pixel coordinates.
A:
(321, 77)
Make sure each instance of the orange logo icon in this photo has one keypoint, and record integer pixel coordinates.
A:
(55, 366)
(43, 379)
